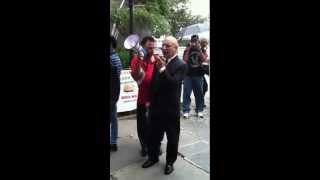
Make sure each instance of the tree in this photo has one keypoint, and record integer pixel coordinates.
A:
(151, 17)
(180, 17)
(145, 23)
(156, 17)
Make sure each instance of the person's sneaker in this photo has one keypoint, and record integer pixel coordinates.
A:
(113, 147)
(200, 115)
(185, 115)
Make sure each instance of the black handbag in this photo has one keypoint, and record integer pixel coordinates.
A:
(205, 68)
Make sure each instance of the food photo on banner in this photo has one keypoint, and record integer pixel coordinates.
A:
(128, 92)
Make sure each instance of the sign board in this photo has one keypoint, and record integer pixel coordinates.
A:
(128, 92)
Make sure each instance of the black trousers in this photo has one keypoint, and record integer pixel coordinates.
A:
(142, 125)
(170, 124)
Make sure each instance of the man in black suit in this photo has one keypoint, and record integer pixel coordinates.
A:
(165, 104)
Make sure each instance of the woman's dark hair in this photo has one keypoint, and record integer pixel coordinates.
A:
(147, 38)
(113, 42)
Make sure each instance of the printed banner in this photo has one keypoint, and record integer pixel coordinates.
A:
(128, 92)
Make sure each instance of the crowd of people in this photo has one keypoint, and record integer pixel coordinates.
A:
(160, 78)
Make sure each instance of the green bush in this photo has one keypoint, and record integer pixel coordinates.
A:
(124, 57)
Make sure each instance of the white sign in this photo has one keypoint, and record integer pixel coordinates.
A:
(128, 92)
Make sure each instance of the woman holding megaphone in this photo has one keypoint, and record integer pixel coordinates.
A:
(142, 67)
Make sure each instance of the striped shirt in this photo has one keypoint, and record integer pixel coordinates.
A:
(115, 63)
(116, 68)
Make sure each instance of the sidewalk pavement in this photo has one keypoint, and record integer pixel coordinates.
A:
(194, 151)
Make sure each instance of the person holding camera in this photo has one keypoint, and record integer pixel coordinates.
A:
(194, 57)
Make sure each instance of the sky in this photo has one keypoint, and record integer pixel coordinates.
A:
(200, 7)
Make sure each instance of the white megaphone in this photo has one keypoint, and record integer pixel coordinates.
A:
(132, 43)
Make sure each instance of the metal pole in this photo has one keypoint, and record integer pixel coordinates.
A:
(122, 4)
(131, 22)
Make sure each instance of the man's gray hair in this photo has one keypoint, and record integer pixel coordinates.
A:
(173, 40)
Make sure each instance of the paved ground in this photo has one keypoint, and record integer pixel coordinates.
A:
(194, 151)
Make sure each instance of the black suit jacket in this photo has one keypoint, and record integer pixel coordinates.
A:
(166, 88)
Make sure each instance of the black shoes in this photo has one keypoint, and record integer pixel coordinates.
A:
(149, 163)
(168, 169)
(113, 147)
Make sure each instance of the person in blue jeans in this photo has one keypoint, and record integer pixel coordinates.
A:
(115, 70)
(193, 81)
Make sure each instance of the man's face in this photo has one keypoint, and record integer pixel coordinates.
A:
(169, 49)
(149, 46)
(194, 42)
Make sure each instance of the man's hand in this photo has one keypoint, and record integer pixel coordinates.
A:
(160, 62)
(203, 49)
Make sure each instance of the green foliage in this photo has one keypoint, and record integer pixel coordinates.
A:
(144, 21)
(181, 17)
(121, 18)
(124, 57)
(154, 17)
